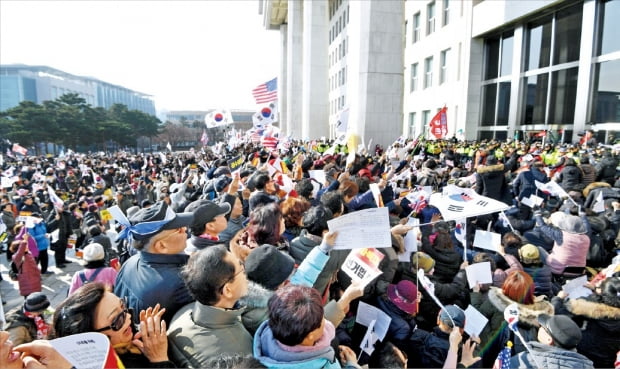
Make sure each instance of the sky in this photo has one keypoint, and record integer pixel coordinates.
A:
(189, 55)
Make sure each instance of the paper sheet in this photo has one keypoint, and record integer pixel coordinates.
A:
(411, 241)
(366, 314)
(487, 240)
(575, 289)
(86, 350)
(480, 273)
(361, 229)
(474, 321)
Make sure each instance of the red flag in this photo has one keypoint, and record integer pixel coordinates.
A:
(19, 149)
(541, 134)
(439, 124)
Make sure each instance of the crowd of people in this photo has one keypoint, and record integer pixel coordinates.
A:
(224, 258)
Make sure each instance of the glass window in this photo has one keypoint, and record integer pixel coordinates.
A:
(428, 72)
(609, 30)
(416, 27)
(535, 99)
(503, 103)
(446, 12)
(507, 44)
(489, 93)
(443, 73)
(563, 95)
(414, 77)
(538, 49)
(491, 58)
(567, 35)
(606, 99)
(426, 118)
(430, 18)
(411, 124)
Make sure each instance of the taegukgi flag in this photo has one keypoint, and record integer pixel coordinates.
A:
(457, 202)
(218, 117)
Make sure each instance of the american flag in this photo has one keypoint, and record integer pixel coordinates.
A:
(266, 92)
(503, 359)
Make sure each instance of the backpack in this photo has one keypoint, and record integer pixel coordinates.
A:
(14, 271)
(92, 277)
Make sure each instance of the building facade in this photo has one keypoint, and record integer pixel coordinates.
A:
(509, 69)
(339, 54)
(40, 83)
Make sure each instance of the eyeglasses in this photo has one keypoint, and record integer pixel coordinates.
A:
(119, 320)
(234, 276)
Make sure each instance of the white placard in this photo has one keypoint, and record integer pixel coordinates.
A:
(480, 273)
(318, 175)
(474, 321)
(361, 229)
(411, 241)
(575, 289)
(487, 240)
(366, 314)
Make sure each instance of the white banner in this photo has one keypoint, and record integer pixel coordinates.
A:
(456, 203)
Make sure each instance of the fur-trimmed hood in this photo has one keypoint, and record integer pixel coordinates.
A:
(528, 314)
(490, 168)
(592, 309)
(257, 296)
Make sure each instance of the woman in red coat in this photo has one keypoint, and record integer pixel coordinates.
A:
(29, 275)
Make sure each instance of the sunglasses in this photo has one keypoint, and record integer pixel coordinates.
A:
(119, 320)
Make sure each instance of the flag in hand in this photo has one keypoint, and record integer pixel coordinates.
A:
(19, 149)
(503, 359)
(439, 123)
(204, 138)
(266, 92)
(218, 117)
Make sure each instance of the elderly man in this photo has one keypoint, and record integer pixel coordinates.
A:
(152, 276)
(210, 326)
(209, 221)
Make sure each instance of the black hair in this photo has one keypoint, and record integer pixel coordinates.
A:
(333, 201)
(315, 220)
(206, 272)
(304, 188)
(294, 312)
(261, 178)
(94, 230)
(233, 361)
(384, 356)
(76, 314)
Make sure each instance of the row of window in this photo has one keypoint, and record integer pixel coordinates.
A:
(339, 25)
(338, 79)
(427, 115)
(444, 59)
(431, 19)
(336, 105)
(339, 52)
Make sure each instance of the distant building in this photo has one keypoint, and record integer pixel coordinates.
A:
(242, 118)
(20, 82)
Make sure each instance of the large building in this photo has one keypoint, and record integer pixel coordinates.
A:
(503, 68)
(40, 83)
(339, 54)
(512, 69)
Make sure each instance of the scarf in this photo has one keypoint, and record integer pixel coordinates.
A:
(125, 348)
(42, 326)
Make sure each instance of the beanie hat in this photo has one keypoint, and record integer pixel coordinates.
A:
(529, 254)
(404, 295)
(36, 302)
(93, 252)
(269, 267)
(421, 260)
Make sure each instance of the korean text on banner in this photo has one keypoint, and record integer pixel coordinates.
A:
(363, 228)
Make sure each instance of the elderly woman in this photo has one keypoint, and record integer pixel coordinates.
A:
(296, 334)
(93, 308)
(518, 288)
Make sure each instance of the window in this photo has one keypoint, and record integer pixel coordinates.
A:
(446, 12)
(430, 18)
(538, 49)
(426, 118)
(489, 94)
(606, 99)
(414, 77)
(563, 96)
(507, 45)
(411, 124)
(494, 47)
(443, 73)
(567, 40)
(416, 27)
(535, 98)
(608, 40)
(428, 72)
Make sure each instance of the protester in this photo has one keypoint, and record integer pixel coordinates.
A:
(28, 275)
(31, 321)
(94, 270)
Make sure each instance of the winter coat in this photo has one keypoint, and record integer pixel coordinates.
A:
(401, 325)
(255, 302)
(301, 247)
(524, 185)
(447, 262)
(21, 328)
(495, 334)
(491, 182)
(428, 349)
(600, 332)
(570, 178)
(569, 249)
(550, 357)
(543, 279)
(29, 277)
(107, 276)
(271, 354)
(606, 169)
(200, 332)
(147, 279)
(39, 233)
(589, 174)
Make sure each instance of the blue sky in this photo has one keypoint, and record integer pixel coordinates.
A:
(190, 55)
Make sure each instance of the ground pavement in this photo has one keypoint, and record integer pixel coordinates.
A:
(55, 285)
